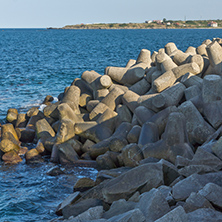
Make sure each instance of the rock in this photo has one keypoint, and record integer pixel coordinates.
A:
(22, 151)
(71, 97)
(202, 157)
(131, 155)
(197, 128)
(11, 157)
(130, 99)
(119, 207)
(194, 183)
(66, 112)
(80, 207)
(124, 114)
(114, 98)
(66, 153)
(192, 169)
(217, 148)
(25, 135)
(8, 132)
(92, 130)
(211, 88)
(170, 172)
(33, 156)
(212, 193)
(83, 184)
(141, 87)
(48, 99)
(44, 130)
(65, 131)
(166, 192)
(153, 205)
(36, 116)
(55, 171)
(107, 160)
(114, 143)
(109, 174)
(149, 133)
(174, 141)
(141, 178)
(176, 215)
(132, 215)
(7, 145)
(51, 110)
(12, 115)
(92, 214)
(134, 134)
(212, 112)
(204, 215)
(21, 121)
(143, 114)
(87, 146)
(196, 201)
(71, 199)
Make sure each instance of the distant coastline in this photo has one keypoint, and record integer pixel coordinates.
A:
(155, 24)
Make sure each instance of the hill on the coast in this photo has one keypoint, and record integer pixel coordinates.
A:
(154, 24)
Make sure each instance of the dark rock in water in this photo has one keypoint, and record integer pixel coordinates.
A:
(205, 215)
(196, 201)
(80, 207)
(11, 157)
(142, 178)
(132, 215)
(83, 184)
(33, 156)
(213, 193)
(119, 207)
(55, 171)
(71, 199)
(67, 154)
(48, 99)
(176, 215)
(153, 205)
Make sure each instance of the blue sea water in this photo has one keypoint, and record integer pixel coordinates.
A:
(39, 62)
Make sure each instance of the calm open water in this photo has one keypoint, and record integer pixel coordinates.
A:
(38, 62)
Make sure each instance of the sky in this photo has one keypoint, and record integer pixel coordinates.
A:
(58, 13)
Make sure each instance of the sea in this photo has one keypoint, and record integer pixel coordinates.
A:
(35, 63)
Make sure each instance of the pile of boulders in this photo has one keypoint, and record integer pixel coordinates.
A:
(152, 128)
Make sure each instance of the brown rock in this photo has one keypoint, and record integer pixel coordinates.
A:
(11, 158)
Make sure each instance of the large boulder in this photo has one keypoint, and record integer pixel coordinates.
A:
(142, 178)
(153, 205)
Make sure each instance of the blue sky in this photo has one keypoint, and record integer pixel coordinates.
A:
(58, 13)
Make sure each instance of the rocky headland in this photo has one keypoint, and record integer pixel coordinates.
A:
(152, 24)
(153, 129)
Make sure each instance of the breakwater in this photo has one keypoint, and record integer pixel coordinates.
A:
(152, 128)
(27, 82)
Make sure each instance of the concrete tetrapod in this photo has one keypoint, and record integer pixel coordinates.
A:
(174, 141)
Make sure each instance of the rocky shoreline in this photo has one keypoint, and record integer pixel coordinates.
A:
(153, 130)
